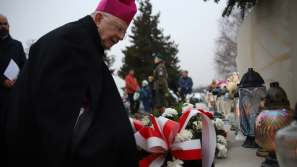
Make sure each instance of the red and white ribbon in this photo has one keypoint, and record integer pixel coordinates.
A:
(136, 124)
(161, 139)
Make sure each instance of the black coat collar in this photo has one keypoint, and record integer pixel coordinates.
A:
(91, 27)
(7, 41)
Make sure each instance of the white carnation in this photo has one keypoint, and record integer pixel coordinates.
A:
(145, 120)
(221, 139)
(169, 112)
(184, 135)
(176, 163)
(213, 122)
(186, 106)
(198, 125)
(219, 124)
(222, 150)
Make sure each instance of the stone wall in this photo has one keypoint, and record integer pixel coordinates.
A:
(267, 42)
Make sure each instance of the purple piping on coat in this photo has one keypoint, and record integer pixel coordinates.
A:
(85, 103)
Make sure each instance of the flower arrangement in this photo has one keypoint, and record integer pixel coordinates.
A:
(190, 132)
(231, 82)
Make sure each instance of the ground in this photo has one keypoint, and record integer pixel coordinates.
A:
(237, 155)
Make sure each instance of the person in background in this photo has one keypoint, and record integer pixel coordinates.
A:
(132, 87)
(186, 84)
(145, 95)
(10, 49)
(151, 85)
(171, 84)
(160, 84)
(213, 84)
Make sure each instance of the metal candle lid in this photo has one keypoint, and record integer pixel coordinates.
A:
(276, 96)
(227, 97)
(251, 79)
(216, 91)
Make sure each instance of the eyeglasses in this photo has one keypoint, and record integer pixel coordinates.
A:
(120, 29)
(4, 24)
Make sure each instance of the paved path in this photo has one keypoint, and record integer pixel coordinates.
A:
(238, 156)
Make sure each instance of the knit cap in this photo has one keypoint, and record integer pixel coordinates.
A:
(145, 82)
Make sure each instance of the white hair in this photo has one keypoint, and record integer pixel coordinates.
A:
(104, 13)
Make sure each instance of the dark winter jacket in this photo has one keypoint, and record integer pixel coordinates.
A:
(151, 85)
(184, 83)
(9, 49)
(171, 84)
(145, 93)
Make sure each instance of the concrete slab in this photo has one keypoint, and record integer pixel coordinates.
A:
(237, 155)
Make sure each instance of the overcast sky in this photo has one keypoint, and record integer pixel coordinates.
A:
(191, 23)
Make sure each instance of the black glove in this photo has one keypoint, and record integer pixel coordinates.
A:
(160, 91)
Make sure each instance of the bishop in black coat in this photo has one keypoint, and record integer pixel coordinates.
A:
(40, 126)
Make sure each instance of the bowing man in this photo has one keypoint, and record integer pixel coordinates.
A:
(65, 108)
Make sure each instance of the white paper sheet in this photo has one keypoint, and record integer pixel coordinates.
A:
(12, 70)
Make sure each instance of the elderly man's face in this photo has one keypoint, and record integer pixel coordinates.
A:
(107, 27)
(4, 26)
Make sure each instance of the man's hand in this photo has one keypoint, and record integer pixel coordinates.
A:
(14, 79)
(187, 88)
(7, 83)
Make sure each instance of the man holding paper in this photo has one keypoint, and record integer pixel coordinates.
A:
(12, 58)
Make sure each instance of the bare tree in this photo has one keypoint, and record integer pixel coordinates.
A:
(29, 43)
(226, 45)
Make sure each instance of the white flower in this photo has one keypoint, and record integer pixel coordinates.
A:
(184, 135)
(145, 120)
(186, 106)
(176, 163)
(222, 150)
(169, 112)
(198, 125)
(221, 139)
(213, 122)
(219, 124)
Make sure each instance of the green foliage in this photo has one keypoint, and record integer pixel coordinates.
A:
(244, 5)
(156, 113)
(147, 41)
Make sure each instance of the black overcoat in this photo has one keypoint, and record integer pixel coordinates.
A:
(9, 49)
(37, 124)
